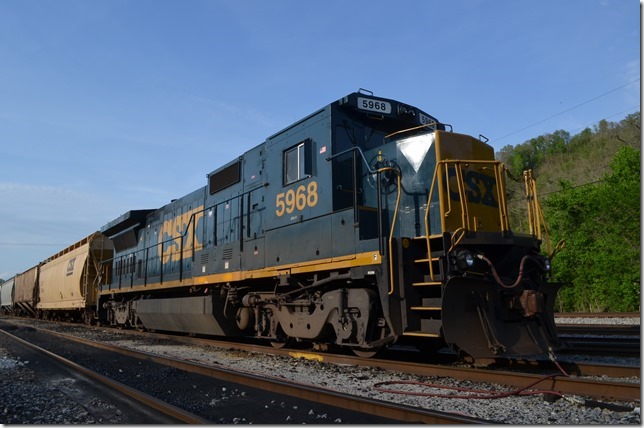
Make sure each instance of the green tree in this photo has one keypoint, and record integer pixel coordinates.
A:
(601, 226)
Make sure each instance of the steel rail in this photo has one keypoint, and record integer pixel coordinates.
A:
(576, 368)
(175, 413)
(599, 330)
(394, 411)
(567, 385)
(598, 315)
(611, 345)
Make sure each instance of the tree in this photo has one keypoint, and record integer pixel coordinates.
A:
(590, 187)
(600, 223)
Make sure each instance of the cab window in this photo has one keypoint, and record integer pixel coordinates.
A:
(297, 162)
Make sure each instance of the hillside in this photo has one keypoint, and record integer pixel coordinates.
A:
(589, 187)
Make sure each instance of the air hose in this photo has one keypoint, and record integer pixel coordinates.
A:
(479, 394)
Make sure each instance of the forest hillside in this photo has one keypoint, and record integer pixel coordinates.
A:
(589, 189)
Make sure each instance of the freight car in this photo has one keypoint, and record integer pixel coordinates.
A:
(364, 224)
(26, 293)
(64, 286)
(7, 290)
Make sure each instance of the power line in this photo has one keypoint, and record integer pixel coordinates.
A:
(567, 110)
(572, 187)
(607, 117)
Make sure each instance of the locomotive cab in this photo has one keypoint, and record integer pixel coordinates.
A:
(456, 269)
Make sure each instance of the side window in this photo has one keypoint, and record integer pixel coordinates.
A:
(225, 178)
(298, 162)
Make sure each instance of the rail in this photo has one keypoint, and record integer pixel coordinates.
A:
(413, 363)
(172, 413)
(280, 385)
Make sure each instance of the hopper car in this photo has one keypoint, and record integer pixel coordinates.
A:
(65, 285)
(7, 290)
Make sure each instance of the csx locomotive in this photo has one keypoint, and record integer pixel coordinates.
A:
(366, 223)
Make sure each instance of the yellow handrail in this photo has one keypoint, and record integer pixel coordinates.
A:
(393, 225)
(443, 166)
(535, 214)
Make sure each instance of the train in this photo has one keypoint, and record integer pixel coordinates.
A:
(365, 224)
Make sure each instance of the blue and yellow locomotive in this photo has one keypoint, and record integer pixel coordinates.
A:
(364, 224)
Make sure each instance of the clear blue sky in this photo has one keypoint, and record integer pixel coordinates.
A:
(112, 105)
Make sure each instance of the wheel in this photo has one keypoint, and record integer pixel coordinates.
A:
(367, 353)
(282, 342)
(279, 344)
(281, 339)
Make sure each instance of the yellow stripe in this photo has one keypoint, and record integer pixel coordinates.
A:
(334, 263)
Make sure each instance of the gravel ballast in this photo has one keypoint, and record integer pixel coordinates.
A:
(536, 409)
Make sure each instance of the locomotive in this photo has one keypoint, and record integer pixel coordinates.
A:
(364, 224)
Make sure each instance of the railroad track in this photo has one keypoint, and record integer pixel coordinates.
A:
(601, 345)
(623, 340)
(514, 375)
(391, 412)
(150, 409)
(598, 314)
(599, 330)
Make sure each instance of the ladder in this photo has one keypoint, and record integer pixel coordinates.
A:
(425, 286)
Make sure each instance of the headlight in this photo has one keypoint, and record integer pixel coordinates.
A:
(464, 259)
(469, 259)
(546, 263)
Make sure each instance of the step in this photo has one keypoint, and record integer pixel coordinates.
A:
(434, 259)
(435, 237)
(428, 328)
(420, 334)
(429, 304)
(426, 284)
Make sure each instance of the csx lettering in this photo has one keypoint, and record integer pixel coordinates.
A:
(480, 188)
(298, 199)
(175, 230)
(70, 266)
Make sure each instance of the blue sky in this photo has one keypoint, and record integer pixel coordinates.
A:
(107, 106)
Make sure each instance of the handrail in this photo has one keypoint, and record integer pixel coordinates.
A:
(503, 206)
(427, 229)
(393, 225)
(535, 214)
(185, 231)
(181, 236)
(395, 216)
(443, 167)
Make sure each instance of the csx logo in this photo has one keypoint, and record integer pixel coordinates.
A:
(70, 266)
(480, 188)
(181, 227)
